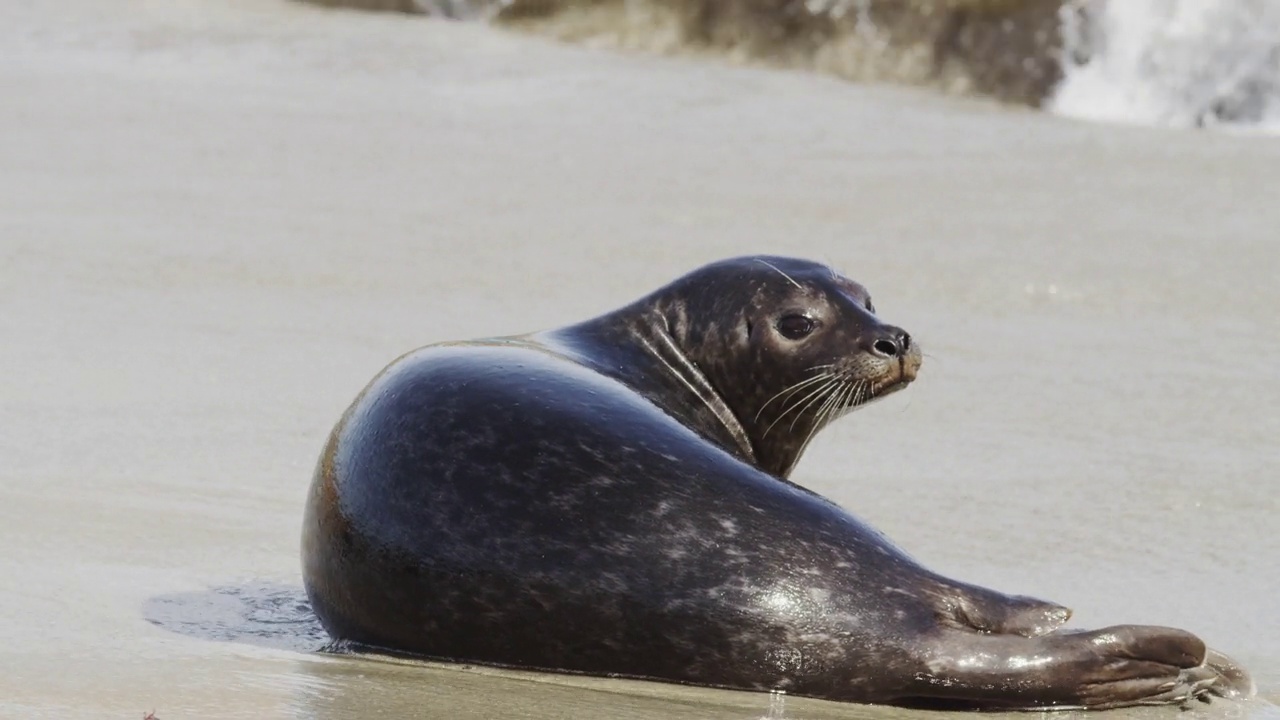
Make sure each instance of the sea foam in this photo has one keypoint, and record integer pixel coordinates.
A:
(1173, 62)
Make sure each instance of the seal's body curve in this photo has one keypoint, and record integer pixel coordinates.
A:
(510, 563)
(610, 498)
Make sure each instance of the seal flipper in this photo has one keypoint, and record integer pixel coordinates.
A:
(1234, 682)
(1113, 667)
(987, 611)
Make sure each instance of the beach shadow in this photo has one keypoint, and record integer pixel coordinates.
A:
(265, 614)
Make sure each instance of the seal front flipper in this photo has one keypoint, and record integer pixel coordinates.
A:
(969, 607)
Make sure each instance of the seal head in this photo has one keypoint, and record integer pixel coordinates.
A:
(757, 353)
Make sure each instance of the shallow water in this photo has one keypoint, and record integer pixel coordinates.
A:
(220, 219)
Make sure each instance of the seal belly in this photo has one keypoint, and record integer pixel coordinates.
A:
(504, 505)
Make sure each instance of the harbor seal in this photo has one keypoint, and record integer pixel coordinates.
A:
(611, 498)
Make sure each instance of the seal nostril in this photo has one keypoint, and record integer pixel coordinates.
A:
(905, 341)
(887, 348)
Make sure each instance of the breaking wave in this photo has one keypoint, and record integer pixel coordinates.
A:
(1176, 62)
(1172, 62)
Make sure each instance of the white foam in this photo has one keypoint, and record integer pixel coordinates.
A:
(1174, 62)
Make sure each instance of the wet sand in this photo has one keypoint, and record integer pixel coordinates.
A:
(219, 220)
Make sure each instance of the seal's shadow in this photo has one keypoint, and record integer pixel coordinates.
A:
(263, 613)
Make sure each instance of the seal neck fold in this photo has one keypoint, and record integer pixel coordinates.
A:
(657, 338)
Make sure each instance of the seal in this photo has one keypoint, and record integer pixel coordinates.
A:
(611, 498)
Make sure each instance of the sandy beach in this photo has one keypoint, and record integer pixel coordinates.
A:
(219, 220)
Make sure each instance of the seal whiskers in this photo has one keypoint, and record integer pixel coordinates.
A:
(831, 382)
(789, 390)
(833, 411)
(790, 279)
(832, 402)
(832, 391)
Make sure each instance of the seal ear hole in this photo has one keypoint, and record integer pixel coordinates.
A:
(795, 327)
(871, 308)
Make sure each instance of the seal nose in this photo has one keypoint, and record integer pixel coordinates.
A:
(890, 342)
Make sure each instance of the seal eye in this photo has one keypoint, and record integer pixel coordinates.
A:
(794, 327)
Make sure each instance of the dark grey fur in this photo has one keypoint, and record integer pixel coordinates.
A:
(611, 498)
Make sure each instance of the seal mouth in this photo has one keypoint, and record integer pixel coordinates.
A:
(905, 373)
(837, 388)
(891, 388)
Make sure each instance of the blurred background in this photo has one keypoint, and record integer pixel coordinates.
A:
(219, 219)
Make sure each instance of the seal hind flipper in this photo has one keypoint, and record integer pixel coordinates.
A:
(1234, 682)
(1113, 667)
